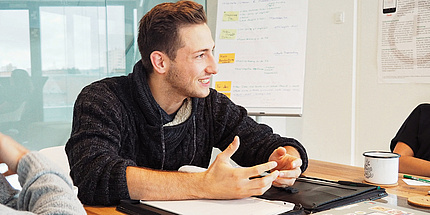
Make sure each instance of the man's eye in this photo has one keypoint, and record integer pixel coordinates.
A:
(201, 55)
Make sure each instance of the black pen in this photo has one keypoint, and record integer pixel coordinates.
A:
(349, 183)
(261, 175)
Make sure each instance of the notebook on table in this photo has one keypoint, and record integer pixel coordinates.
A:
(249, 206)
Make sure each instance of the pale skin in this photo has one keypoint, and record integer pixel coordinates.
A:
(188, 76)
(11, 153)
(408, 163)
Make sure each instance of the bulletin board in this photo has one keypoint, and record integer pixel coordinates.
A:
(260, 50)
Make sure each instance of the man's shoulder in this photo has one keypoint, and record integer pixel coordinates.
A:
(110, 81)
(222, 103)
(108, 90)
(215, 95)
(114, 84)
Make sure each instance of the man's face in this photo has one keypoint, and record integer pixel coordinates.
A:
(194, 65)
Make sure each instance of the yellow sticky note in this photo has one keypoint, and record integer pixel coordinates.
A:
(226, 58)
(223, 85)
(230, 16)
(227, 94)
(228, 34)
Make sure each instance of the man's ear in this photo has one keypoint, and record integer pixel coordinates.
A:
(159, 61)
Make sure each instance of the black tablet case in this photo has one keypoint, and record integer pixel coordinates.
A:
(134, 207)
(313, 194)
(310, 195)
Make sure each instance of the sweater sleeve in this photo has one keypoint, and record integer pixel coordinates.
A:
(7, 193)
(257, 141)
(45, 188)
(93, 149)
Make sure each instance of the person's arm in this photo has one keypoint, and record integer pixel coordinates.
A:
(103, 177)
(93, 148)
(45, 188)
(220, 181)
(259, 143)
(410, 164)
(11, 153)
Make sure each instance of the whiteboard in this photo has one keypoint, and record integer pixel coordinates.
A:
(260, 50)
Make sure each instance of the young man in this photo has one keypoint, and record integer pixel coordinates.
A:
(45, 188)
(131, 134)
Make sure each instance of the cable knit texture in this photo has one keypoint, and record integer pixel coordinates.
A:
(45, 189)
(117, 123)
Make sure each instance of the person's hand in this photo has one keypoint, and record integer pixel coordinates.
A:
(11, 153)
(288, 166)
(227, 182)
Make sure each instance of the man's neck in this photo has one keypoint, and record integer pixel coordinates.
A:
(169, 102)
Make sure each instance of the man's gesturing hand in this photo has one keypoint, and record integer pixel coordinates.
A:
(227, 182)
(288, 165)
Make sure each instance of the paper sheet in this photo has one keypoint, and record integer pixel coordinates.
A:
(415, 182)
(403, 43)
(249, 206)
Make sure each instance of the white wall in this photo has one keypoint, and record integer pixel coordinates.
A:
(346, 111)
(381, 108)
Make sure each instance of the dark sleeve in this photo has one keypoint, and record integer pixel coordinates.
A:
(93, 148)
(257, 141)
(408, 132)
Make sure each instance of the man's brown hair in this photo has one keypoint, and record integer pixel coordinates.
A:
(159, 28)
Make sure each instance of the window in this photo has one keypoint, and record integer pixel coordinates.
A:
(57, 47)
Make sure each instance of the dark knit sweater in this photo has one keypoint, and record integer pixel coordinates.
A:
(117, 123)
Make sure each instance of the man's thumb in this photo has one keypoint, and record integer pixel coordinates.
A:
(231, 149)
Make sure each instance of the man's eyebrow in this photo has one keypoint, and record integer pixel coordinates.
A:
(203, 50)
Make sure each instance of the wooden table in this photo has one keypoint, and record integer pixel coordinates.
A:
(330, 171)
(335, 172)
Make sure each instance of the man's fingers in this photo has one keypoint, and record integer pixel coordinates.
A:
(262, 184)
(287, 177)
(281, 151)
(284, 183)
(259, 170)
(231, 149)
(297, 163)
(293, 173)
(289, 162)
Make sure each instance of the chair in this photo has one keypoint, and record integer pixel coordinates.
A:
(57, 155)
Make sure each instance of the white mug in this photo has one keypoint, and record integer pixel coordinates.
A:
(381, 167)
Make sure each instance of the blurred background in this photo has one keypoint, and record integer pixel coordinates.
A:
(50, 50)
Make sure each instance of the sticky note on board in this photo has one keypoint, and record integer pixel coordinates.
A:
(223, 85)
(227, 94)
(229, 16)
(228, 34)
(226, 58)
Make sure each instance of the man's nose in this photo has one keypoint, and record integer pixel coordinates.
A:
(212, 67)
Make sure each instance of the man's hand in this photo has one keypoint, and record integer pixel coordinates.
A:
(289, 165)
(227, 182)
(11, 153)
